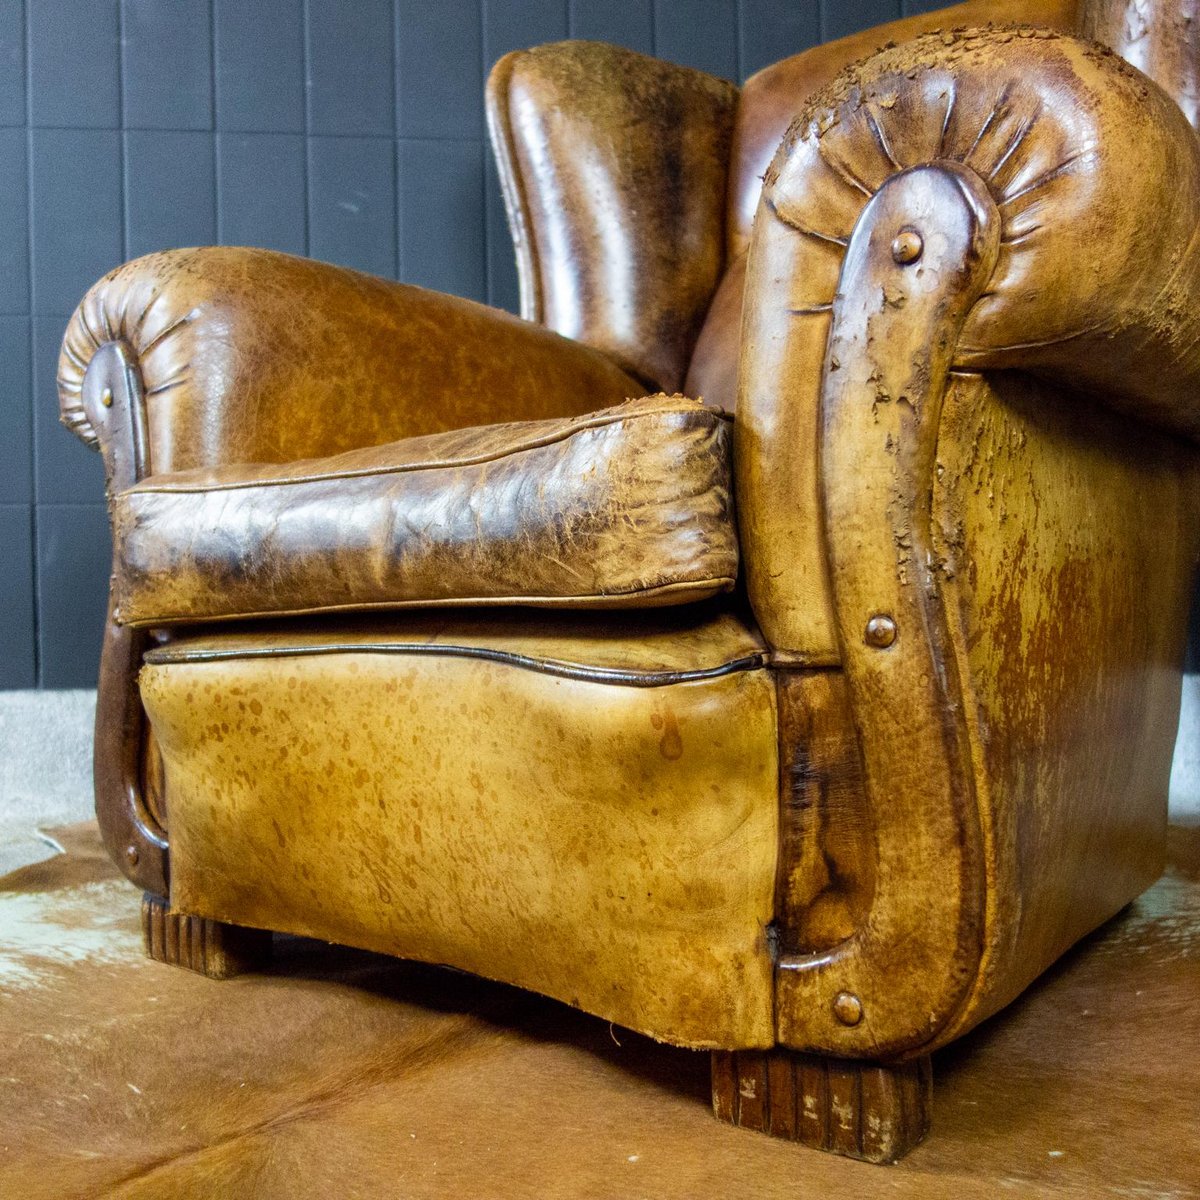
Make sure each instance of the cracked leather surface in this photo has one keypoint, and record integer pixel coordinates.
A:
(627, 507)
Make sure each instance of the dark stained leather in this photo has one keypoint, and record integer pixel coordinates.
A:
(768, 103)
(253, 356)
(628, 507)
(614, 168)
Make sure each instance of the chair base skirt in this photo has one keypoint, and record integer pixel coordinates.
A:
(207, 947)
(861, 1110)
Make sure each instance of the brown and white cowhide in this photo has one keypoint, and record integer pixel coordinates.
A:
(340, 1074)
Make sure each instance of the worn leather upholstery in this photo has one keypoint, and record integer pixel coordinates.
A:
(587, 812)
(1072, 831)
(772, 98)
(252, 356)
(581, 129)
(1086, 162)
(769, 101)
(627, 507)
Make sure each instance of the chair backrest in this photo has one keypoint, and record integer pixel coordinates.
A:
(631, 184)
(767, 104)
(1159, 37)
(614, 169)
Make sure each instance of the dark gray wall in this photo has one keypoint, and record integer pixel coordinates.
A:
(351, 131)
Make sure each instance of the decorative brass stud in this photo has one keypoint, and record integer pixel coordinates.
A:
(907, 247)
(847, 1007)
(106, 397)
(880, 631)
(131, 855)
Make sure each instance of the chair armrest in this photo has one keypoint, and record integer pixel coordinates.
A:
(195, 359)
(1092, 176)
(253, 356)
(1008, 617)
(772, 97)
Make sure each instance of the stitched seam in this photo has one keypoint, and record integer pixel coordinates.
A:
(549, 439)
(590, 599)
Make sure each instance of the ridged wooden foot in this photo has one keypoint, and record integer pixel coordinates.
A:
(862, 1110)
(210, 948)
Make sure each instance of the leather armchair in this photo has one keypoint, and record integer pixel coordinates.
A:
(435, 631)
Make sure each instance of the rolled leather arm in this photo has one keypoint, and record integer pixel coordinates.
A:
(772, 97)
(1091, 175)
(999, 200)
(248, 355)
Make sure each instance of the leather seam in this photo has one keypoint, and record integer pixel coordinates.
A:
(545, 666)
(429, 465)
(593, 600)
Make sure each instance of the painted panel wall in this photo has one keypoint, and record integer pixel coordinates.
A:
(350, 130)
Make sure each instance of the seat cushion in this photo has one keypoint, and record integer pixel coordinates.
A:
(624, 508)
(582, 804)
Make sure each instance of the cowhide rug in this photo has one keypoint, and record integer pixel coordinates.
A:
(341, 1074)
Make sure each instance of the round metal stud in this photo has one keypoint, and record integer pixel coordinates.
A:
(880, 631)
(847, 1007)
(131, 855)
(106, 397)
(907, 247)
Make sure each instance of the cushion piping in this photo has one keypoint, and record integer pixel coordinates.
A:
(168, 656)
(447, 463)
(707, 586)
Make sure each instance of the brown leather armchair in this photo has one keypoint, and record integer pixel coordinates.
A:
(428, 633)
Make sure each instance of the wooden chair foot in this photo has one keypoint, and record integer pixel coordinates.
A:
(210, 948)
(859, 1109)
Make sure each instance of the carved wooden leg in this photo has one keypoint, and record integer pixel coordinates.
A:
(210, 948)
(859, 1109)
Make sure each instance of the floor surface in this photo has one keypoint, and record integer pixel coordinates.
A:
(345, 1074)
(45, 769)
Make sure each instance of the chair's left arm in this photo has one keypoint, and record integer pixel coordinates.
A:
(200, 358)
(966, 482)
(247, 355)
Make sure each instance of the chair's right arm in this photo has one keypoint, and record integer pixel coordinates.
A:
(967, 485)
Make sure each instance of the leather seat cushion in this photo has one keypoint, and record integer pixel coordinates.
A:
(624, 508)
(582, 804)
